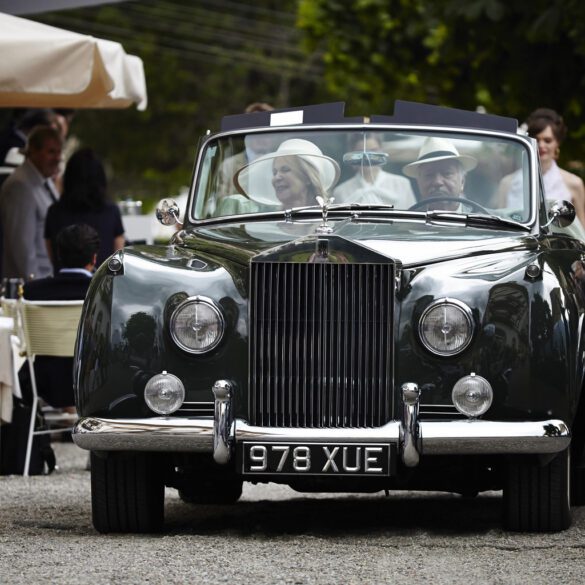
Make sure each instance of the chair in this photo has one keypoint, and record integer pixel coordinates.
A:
(48, 328)
(8, 307)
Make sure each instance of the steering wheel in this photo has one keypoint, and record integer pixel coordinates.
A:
(474, 206)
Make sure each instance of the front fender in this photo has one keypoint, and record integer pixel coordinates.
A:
(124, 338)
(528, 334)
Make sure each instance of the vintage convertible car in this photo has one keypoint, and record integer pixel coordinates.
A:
(350, 305)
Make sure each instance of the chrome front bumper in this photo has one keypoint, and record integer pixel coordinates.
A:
(411, 437)
(435, 438)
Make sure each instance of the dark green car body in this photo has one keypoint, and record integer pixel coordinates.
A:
(524, 326)
(323, 376)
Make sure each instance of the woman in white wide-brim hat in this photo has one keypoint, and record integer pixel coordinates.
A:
(300, 172)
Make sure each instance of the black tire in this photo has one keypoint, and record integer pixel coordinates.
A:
(213, 492)
(537, 497)
(127, 492)
(577, 486)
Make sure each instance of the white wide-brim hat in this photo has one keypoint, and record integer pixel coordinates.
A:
(251, 177)
(436, 149)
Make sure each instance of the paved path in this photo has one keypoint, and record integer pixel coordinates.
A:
(274, 535)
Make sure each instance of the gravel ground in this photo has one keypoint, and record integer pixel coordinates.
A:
(275, 535)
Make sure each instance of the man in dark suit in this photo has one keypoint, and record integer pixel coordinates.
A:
(77, 247)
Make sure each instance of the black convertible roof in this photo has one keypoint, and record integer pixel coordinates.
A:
(404, 113)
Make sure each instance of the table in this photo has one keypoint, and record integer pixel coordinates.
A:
(7, 382)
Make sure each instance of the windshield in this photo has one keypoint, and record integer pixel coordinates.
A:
(274, 171)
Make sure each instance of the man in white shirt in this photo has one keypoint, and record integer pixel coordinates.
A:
(25, 198)
(370, 184)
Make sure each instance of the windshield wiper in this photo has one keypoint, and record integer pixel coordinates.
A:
(477, 220)
(361, 206)
(288, 213)
(469, 219)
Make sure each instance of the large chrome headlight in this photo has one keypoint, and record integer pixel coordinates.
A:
(197, 325)
(446, 327)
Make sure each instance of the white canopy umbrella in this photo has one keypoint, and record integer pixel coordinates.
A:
(47, 67)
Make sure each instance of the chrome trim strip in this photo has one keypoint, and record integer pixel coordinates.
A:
(410, 427)
(223, 422)
(436, 437)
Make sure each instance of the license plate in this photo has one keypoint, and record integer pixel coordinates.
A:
(347, 459)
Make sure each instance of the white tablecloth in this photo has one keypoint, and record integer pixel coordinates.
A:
(139, 227)
(6, 369)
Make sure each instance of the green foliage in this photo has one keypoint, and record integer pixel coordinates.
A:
(202, 60)
(509, 57)
(209, 58)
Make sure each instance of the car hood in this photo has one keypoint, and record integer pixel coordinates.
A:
(410, 243)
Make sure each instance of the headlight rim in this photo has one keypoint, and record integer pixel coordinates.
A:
(199, 299)
(468, 314)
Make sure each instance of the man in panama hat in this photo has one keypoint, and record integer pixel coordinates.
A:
(440, 171)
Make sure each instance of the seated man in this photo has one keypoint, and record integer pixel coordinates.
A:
(440, 173)
(370, 184)
(77, 248)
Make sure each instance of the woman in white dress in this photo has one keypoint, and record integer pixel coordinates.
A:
(548, 128)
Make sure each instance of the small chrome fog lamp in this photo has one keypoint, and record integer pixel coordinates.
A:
(472, 395)
(164, 393)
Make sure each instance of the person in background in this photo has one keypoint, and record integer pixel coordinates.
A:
(549, 130)
(25, 198)
(62, 122)
(256, 145)
(371, 184)
(298, 173)
(13, 137)
(13, 140)
(84, 200)
(76, 247)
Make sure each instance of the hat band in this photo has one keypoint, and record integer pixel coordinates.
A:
(436, 154)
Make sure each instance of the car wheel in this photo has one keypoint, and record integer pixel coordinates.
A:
(127, 492)
(577, 486)
(537, 497)
(214, 492)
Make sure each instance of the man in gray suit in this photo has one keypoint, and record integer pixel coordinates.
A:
(25, 198)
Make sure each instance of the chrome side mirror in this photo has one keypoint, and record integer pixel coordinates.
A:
(167, 212)
(561, 213)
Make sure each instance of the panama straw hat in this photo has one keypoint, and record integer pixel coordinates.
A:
(436, 149)
(256, 172)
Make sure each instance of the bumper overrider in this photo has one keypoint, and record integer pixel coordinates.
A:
(410, 437)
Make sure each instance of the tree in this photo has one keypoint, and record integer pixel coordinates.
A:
(202, 60)
(509, 57)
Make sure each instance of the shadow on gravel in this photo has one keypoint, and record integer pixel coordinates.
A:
(334, 516)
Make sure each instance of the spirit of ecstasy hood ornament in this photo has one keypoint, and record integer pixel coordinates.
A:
(324, 203)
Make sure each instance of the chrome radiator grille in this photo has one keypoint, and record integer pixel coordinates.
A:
(320, 344)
